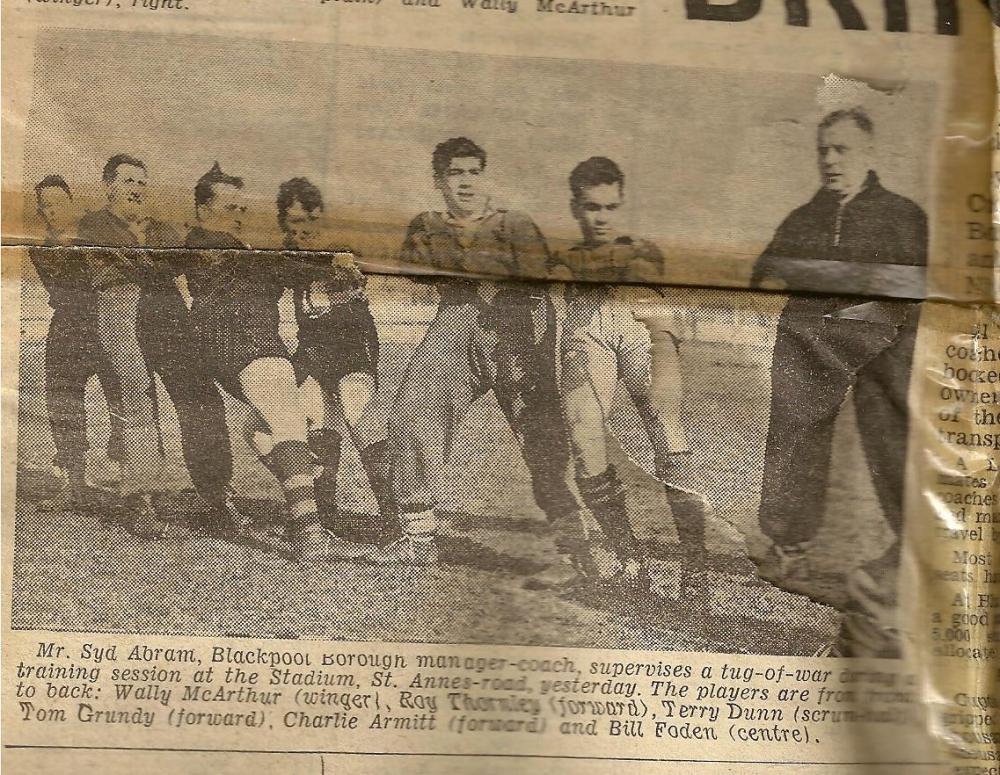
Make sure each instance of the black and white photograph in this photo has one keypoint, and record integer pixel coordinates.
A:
(229, 425)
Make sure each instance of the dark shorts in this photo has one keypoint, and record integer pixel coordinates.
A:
(234, 336)
(341, 342)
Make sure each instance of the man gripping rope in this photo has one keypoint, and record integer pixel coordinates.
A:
(73, 350)
(485, 336)
(603, 343)
(234, 313)
(145, 328)
(336, 362)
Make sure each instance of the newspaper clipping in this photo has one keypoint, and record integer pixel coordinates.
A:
(480, 386)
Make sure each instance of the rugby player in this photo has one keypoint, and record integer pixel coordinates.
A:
(483, 337)
(604, 342)
(72, 347)
(234, 311)
(144, 327)
(336, 360)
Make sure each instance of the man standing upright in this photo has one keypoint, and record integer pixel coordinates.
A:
(853, 218)
(73, 350)
(144, 328)
(829, 345)
(485, 336)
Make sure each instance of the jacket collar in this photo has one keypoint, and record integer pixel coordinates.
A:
(870, 186)
(445, 223)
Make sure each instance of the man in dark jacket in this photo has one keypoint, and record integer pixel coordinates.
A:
(73, 351)
(234, 313)
(144, 328)
(829, 345)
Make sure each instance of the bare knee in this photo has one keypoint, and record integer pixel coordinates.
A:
(270, 388)
(356, 391)
(589, 446)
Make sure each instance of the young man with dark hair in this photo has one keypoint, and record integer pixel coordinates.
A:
(828, 346)
(144, 328)
(603, 343)
(605, 254)
(336, 360)
(73, 351)
(235, 317)
(484, 337)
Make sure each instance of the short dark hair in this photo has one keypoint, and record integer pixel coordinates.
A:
(859, 116)
(455, 148)
(301, 190)
(51, 181)
(595, 171)
(204, 189)
(116, 161)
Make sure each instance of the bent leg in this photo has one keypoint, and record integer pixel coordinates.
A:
(324, 439)
(651, 372)
(173, 351)
(437, 388)
(527, 389)
(589, 379)
(269, 386)
(870, 625)
(355, 393)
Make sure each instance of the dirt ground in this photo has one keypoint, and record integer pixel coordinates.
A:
(76, 572)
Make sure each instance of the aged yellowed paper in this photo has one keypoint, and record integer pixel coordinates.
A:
(481, 385)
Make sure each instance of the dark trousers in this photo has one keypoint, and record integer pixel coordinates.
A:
(73, 354)
(818, 357)
(468, 351)
(171, 349)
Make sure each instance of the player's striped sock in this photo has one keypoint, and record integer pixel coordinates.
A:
(292, 464)
(419, 524)
(419, 528)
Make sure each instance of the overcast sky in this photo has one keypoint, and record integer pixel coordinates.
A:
(712, 159)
